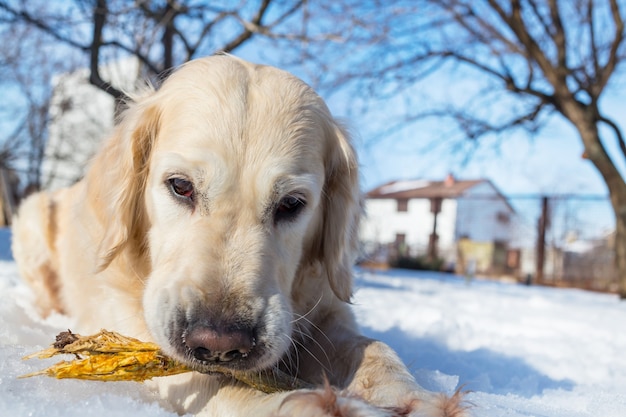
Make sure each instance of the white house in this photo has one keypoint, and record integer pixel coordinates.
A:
(81, 115)
(466, 223)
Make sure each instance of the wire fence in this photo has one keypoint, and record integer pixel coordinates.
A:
(578, 237)
(560, 240)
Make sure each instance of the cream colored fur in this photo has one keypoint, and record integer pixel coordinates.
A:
(122, 250)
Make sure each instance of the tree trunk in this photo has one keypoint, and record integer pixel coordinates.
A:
(586, 123)
(620, 244)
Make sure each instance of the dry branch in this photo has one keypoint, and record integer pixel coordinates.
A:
(109, 356)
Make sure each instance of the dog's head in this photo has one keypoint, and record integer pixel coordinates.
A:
(231, 181)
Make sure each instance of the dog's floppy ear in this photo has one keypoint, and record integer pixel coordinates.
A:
(116, 182)
(338, 240)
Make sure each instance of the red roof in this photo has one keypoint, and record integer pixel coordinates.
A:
(404, 190)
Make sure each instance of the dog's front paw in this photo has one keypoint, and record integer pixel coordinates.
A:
(434, 405)
(328, 402)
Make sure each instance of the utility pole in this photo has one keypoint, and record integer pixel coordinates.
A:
(542, 226)
(435, 209)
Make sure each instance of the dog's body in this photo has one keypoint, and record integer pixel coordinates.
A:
(220, 222)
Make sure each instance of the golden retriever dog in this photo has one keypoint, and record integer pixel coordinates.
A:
(220, 221)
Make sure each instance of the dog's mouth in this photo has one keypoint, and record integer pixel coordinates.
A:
(208, 348)
(210, 337)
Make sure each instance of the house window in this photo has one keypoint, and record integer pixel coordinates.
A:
(435, 205)
(400, 244)
(403, 205)
(503, 218)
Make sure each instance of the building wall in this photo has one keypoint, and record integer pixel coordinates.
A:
(483, 215)
(481, 219)
(383, 223)
(81, 117)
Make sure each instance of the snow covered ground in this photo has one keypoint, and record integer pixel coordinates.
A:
(522, 351)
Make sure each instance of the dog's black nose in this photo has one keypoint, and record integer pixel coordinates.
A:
(219, 344)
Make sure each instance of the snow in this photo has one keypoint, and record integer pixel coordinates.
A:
(399, 186)
(522, 351)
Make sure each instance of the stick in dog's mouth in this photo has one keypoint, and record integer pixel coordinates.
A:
(110, 356)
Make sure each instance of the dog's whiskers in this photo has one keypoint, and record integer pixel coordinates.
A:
(319, 330)
(306, 335)
(294, 362)
(304, 316)
(301, 345)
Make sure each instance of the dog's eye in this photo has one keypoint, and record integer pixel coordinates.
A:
(288, 208)
(181, 187)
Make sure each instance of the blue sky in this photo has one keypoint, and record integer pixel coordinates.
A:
(551, 162)
(548, 162)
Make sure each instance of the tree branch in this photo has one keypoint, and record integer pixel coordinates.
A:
(190, 48)
(41, 25)
(249, 30)
(618, 133)
(593, 48)
(99, 18)
(167, 40)
(558, 37)
(516, 23)
(547, 25)
(602, 77)
(474, 128)
(467, 15)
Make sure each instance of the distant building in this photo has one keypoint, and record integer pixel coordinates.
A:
(81, 115)
(588, 264)
(466, 223)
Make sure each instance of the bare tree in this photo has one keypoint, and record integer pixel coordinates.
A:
(539, 58)
(159, 33)
(25, 80)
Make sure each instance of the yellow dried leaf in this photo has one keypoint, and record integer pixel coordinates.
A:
(109, 356)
